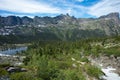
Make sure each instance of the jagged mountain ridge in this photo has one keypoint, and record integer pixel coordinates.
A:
(65, 26)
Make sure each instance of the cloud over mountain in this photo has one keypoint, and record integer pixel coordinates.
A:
(27, 6)
(77, 8)
(104, 7)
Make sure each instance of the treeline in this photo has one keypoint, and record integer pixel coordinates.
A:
(14, 39)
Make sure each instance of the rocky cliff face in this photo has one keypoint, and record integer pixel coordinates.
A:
(114, 16)
(67, 26)
(15, 20)
(12, 20)
(110, 24)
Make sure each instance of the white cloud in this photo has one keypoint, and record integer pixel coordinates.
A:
(104, 7)
(20, 15)
(27, 6)
(77, 11)
(80, 0)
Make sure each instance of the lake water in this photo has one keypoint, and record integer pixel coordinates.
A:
(12, 51)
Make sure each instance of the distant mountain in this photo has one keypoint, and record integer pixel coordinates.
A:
(64, 27)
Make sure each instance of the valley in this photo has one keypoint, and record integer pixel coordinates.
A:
(60, 48)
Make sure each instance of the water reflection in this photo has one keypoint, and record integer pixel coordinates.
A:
(13, 51)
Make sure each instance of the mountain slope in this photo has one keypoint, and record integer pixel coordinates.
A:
(64, 27)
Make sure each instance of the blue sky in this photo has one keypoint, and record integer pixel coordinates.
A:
(77, 8)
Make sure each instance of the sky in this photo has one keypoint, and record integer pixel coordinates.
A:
(77, 8)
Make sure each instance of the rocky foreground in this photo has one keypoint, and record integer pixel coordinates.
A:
(11, 64)
(11, 59)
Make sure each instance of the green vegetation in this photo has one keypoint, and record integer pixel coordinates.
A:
(53, 60)
(21, 76)
(93, 71)
(61, 60)
(112, 51)
(3, 72)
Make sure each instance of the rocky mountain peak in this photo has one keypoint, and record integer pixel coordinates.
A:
(13, 20)
(63, 16)
(26, 20)
(114, 16)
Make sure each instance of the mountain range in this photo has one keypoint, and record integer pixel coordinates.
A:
(63, 27)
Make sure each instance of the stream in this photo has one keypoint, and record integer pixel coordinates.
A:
(110, 75)
(109, 71)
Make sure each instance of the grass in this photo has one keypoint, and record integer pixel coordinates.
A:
(93, 71)
(3, 72)
(112, 51)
